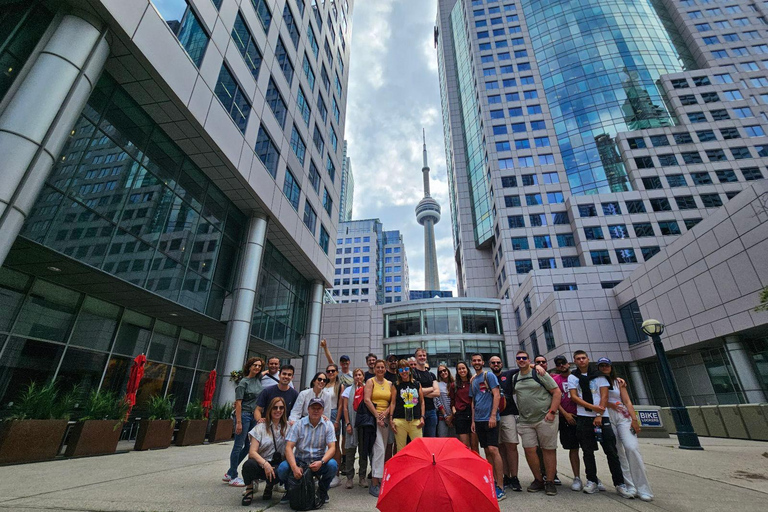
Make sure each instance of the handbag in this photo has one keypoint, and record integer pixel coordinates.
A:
(277, 457)
(364, 418)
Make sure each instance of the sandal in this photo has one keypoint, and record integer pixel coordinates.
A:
(247, 497)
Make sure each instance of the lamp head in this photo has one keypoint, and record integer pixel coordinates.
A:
(653, 327)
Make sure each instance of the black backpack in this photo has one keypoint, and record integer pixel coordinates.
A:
(304, 496)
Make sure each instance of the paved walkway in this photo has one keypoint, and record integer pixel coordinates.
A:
(728, 475)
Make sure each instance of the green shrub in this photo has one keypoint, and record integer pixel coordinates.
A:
(159, 408)
(195, 411)
(104, 405)
(223, 412)
(44, 402)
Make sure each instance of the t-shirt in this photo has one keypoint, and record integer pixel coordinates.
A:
(346, 378)
(248, 390)
(267, 436)
(425, 378)
(505, 383)
(533, 400)
(391, 377)
(268, 380)
(407, 397)
(594, 386)
(368, 375)
(460, 397)
(566, 403)
(482, 395)
(266, 396)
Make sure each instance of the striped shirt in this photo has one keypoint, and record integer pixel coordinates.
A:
(311, 442)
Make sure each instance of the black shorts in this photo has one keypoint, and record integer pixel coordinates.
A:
(485, 435)
(568, 437)
(462, 420)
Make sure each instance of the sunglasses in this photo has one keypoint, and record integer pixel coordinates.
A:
(403, 370)
(322, 380)
(443, 371)
(540, 362)
(331, 371)
(521, 358)
(278, 408)
(495, 363)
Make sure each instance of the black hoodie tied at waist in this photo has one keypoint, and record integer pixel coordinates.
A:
(592, 373)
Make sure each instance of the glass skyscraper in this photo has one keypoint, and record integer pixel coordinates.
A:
(159, 197)
(583, 140)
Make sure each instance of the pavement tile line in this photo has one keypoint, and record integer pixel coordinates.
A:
(710, 479)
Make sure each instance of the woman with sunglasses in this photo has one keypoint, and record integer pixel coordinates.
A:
(407, 417)
(266, 451)
(316, 390)
(626, 427)
(246, 395)
(379, 399)
(335, 388)
(443, 403)
(462, 407)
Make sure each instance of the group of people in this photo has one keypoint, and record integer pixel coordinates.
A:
(371, 414)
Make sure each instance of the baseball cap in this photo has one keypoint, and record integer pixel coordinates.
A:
(560, 360)
(391, 357)
(317, 401)
(603, 360)
(344, 358)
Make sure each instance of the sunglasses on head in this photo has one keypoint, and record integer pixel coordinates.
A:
(522, 358)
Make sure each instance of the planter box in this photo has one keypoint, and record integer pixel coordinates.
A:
(30, 440)
(154, 434)
(94, 437)
(221, 430)
(191, 432)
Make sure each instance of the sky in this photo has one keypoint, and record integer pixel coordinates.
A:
(394, 92)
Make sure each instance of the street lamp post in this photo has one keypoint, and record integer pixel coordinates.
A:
(686, 436)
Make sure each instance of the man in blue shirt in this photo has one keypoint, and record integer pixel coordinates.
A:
(314, 439)
(484, 391)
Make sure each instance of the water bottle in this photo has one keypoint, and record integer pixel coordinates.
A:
(599, 433)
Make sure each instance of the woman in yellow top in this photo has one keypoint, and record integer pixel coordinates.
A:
(380, 399)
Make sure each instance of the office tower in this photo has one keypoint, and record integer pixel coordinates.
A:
(584, 139)
(169, 187)
(428, 214)
(347, 188)
(429, 294)
(358, 276)
(396, 275)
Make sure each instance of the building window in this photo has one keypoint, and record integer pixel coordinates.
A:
(523, 266)
(328, 203)
(711, 200)
(527, 305)
(660, 204)
(520, 243)
(324, 239)
(643, 229)
(611, 208)
(593, 233)
(310, 217)
(185, 24)
(626, 256)
(549, 335)
(298, 145)
(618, 231)
(632, 321)
(669, 227)
(304, 108)
(635, 206)
(281, 55)
(247, 45)
(571, 261)
(267, 151)
(649, 252)
(263, 12)
(601, 257)
(587, 210)
(701, 178)
(291, 189)
(232, 98)
(290, 25)
(685, 202)
(275, 101)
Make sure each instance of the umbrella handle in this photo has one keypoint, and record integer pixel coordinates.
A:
(434, 463)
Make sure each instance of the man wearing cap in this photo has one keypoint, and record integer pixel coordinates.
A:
(345, 375)
(567, 409)
(309, 446)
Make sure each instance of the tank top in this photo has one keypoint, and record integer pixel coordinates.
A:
(381, 395)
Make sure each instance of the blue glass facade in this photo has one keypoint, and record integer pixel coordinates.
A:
(472, 130)
(599, 62)
(125, 199)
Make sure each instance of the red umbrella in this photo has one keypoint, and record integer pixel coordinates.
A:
(437, 474)
(137, 372)
(210, 387)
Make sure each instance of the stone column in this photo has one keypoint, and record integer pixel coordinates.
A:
(39, 117)
(638, 384)
(309, 365)
(238, 335)
(744, 369)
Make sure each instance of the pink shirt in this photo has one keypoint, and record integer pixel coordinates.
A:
(565, 402)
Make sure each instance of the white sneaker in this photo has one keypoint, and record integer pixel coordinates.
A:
(279, 488)
(336, 481)
(237, 482)
(577, 485)
(622, 491)
(600, 486)
(645, 497)
(226, 478)
(590, 488)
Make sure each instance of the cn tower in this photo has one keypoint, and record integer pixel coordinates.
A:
(428, 214)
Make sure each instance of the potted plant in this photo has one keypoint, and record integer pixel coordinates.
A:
(156, 431)
(98, 431)
(193, 427)
(222, 426)
(37, 424)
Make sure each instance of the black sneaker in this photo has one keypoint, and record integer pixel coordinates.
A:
(322, 496)
(557, 481)
(267, 493)
(507, 481)
(550, 488)
(536, 486)
(514, 484)
(286, 498)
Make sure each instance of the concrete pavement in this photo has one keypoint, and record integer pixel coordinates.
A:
(727, 474)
